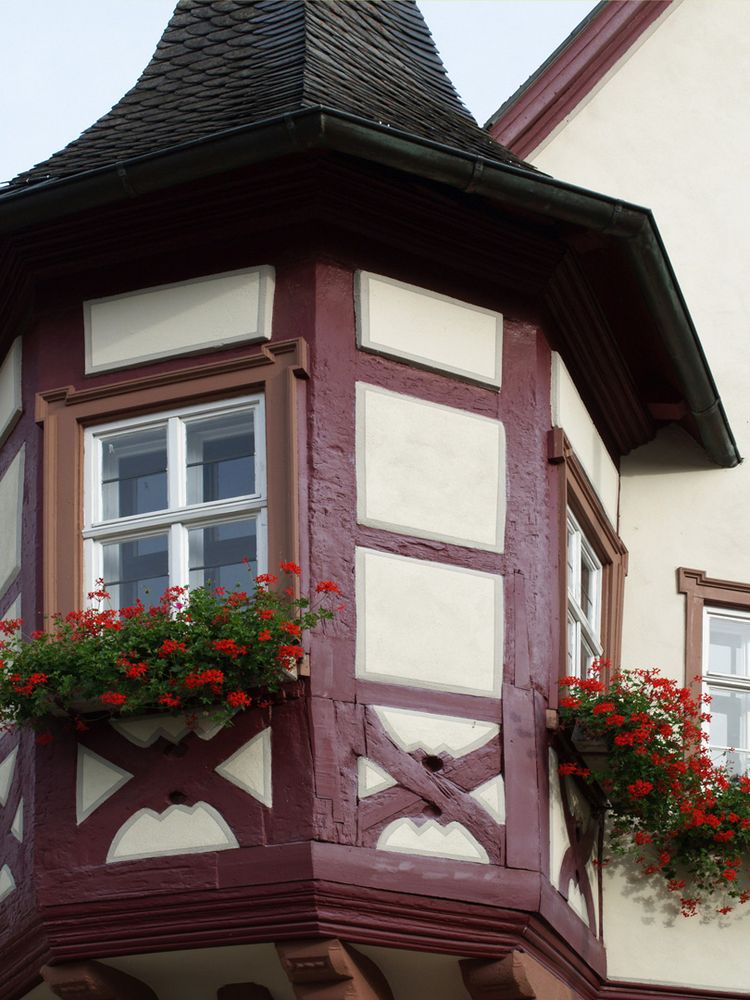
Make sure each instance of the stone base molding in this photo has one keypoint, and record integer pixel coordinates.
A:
(93, 981)
(331, 970)
(516, 977)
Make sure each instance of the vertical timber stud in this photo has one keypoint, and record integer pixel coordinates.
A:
(331, 970)
(516, 977)
(244, 991)
(93, 981)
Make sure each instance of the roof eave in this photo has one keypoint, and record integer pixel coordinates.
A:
(505, 184)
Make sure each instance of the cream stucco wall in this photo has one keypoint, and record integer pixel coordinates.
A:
(668, 129)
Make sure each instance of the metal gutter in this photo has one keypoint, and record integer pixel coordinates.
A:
(504, 184)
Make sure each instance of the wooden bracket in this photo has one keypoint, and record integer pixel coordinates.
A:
(93, 981)
(331, 970)
(516, 977)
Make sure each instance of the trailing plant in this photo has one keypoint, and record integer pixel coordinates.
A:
(201, 649)
(676, 812)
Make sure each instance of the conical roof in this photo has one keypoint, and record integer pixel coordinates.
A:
(226, 64)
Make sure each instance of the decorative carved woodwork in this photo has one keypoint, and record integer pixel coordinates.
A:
(94, 981)
(331, 970)
(516, 977)
(444, 791)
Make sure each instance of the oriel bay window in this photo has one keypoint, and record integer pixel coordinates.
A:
(584, 586)
(173, 477)
(592, 567)
(176, 498)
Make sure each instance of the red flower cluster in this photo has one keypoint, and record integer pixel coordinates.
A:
(683, 816)
(189, 651)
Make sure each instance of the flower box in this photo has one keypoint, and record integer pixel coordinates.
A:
(206, 649)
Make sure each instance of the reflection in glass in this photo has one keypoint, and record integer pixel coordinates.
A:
(729, 639)
(137, 569)
(217, 554)
(134, 472)
(221, 457)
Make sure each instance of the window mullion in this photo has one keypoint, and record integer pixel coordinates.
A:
(178, 556)
(176, 474)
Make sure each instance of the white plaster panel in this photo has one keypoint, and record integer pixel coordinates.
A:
(372, 778)
(558, 831)
(432, 839)
(7, 770)
(491, 796)
(178, 830)
(11, 507)
(145, 730)
(179, 318)
(577, 901)
(13, 611)
(10, 389)
(429, 470)
(432, 330)
(16, 827)
(250, 768)
(435, 734)
(428, 624)
(7, 882)
(570, 413)
(97, 780)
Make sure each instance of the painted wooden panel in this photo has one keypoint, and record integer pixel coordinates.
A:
(10, 389)
(570, 413)
(431, 330)
(428, 624)
(11, 504)
(179, 318)
(429, 470)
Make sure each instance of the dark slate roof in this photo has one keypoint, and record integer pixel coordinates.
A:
(221, 64)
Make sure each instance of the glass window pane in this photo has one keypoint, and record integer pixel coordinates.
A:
(589, 585)
(217, 554)
(728, 645)
(588, 655)
(572, 548)
(221, 457)
(134, 472)
(136, 569)
(573, 658)
(730, 714)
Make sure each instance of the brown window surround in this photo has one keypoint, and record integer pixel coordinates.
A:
(65, 413)
(701, 590)
(578, 495)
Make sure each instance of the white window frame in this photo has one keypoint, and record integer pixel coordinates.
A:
(585, 627)
(725, 682)
(179, 515)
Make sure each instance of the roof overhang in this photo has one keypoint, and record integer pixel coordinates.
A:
(630, 228)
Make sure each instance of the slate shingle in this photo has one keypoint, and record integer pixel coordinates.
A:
(221, 64)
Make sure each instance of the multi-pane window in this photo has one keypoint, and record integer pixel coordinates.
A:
(584, 584)
(176, 498)
(726, 678)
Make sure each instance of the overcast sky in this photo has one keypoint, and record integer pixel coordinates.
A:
(64, 63)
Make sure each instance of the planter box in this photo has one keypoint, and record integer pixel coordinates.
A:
(593, 750)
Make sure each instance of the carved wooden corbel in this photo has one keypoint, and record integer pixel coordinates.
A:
(516, 977)
(94, 981)
(331, 970)
(244, 991)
